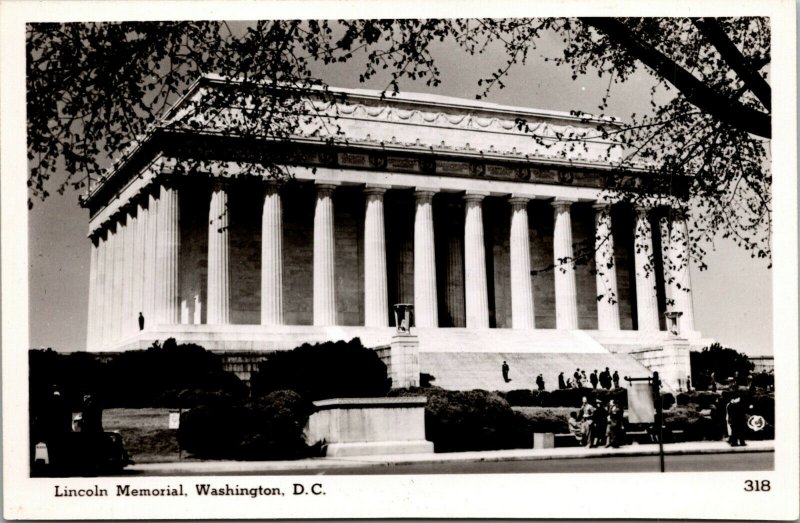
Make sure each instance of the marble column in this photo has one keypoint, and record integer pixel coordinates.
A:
(324, 257)
(680, 287)
(167, 310)
(664, 230)
(425, 301)
(128, 317)
(454, 269)
(606, 270)
(119, 277)
(272, 257)
(475, 288)
(522, 309)
(151, 262)
(219, 278)
(646, 297)
(94, 285)
(564, 272)
(141, 260)
(376, 294)
(107, 313)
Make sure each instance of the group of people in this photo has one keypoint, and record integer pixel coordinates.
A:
(598, 425)
(604, 379)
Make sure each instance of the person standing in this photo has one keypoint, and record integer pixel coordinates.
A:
(615, 377)
(605, 379)
(141, 321)
(504, 369)
(540, 382)
(593, 378)
(577, 378)
(91, 415)
(713, 381)
(615, 425)
(599, 423)
(737, 422)
(561, 383)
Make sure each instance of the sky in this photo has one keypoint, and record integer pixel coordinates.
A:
(732, 298)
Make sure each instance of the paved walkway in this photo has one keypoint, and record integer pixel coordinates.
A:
(331, 464)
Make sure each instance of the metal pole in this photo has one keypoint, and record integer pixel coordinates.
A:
(660, 414)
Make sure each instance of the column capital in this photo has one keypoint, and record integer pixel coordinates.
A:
(376, 189)
(271, 186)
(601, 205)
(424, 194)
(218, 184)
(562, 204)
(475, 196)
(326, 188)
(519, 202)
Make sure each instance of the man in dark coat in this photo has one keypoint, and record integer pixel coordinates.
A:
(737, 422)
(615, 428)
(599, 424)
(561, 383)
(593, 378)
(605, 379)
(577, 378)
(540, 382)
(615, 377)
(141, 321)
(504, 369)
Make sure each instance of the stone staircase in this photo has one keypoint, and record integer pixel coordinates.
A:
(482, 370)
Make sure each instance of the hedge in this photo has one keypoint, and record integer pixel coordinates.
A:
(267, 429)
(324, 370)
(458, 421)
(563, 397)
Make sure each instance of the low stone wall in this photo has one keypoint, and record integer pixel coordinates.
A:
(366, 426)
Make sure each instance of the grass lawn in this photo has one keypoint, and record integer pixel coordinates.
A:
(145, 433)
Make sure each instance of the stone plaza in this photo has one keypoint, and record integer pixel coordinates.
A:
(443, 203)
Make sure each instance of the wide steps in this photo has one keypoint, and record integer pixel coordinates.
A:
(482, 370)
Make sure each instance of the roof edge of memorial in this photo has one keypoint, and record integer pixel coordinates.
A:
(414, 98)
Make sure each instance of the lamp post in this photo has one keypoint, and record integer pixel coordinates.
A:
(655, 382)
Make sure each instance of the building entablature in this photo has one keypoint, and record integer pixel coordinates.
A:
(419, 135)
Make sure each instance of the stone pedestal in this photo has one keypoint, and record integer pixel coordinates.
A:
(368, 426)
(671, 360)
(544, 440)
(403, 366)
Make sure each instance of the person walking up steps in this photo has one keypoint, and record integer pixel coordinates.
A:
(505, 369)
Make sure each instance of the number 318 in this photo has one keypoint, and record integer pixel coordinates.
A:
(756, 485)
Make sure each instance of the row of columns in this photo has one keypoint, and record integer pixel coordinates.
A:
(135, 266)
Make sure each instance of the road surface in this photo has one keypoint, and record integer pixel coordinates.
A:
(707, 462)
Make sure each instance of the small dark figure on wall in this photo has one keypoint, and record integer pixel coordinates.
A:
(141, 321)
(505, 368)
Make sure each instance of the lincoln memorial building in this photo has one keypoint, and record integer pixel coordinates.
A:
(505, 245)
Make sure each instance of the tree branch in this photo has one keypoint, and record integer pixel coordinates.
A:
(696, 92)
(731, 54)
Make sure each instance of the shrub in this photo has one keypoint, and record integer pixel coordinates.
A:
(324, 370)
(545, 419)
(469, 420)
(564, 397)
(157, 376)
(269, 428)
